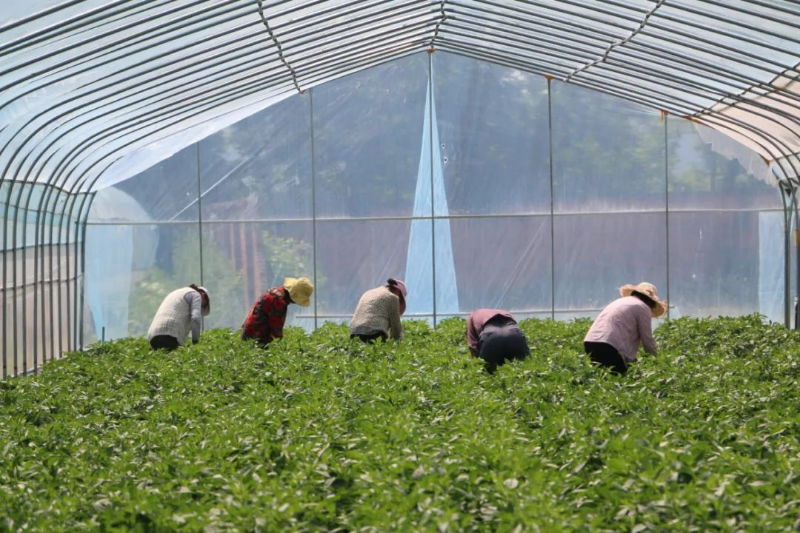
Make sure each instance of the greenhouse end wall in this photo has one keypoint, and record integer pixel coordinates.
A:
(481, 186)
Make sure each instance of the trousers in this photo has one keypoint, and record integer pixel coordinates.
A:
(604, 354)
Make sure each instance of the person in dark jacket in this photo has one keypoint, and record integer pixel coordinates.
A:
(268, 315)
(494, 336)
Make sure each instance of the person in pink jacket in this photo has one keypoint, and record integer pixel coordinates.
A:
(623, 326)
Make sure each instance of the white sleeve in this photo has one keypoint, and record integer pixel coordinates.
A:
(195, 302)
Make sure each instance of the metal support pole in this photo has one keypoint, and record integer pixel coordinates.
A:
(433, 204)
(63, 233)
(666, 195)
(787, 198)
(80, 253)
(796, 253)
(200, 220)
(4, 316)
(552, 201)
(83, 271)
(313, 204)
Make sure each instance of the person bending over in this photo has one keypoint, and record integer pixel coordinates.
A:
(268, 315)
(180, 312)
(378, 313)
(623, 326)
(494, 336)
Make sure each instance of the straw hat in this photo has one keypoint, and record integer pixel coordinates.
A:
(649, 290)
(300, 289)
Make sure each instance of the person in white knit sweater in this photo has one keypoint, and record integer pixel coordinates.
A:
(178, 314)
(378, 313)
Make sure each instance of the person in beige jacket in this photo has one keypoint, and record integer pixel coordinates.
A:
(378, 313)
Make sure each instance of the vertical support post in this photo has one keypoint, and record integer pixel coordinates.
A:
(3, 312)
(552, 201)
(53, 277)
(200, 219)
(666, 195)
(18, 206)
(14, 281)
(796, 253)
(83, 271)
(80, 252)
(433, 203)
(313, 205)
(787, 198)
(76, 255)
(63, 248)
(47, 289)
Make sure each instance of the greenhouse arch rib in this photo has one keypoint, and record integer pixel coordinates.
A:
(95, 91)
(310, 42)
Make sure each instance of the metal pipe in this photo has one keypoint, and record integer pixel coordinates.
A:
(94, 180)
(150, 60)
(76, 253)
(160, 96)
(199, 210)
(442, 18)
(313, 201)
(609, 81)
(666, 198)
(635, 95)
(796, 250)
(431, 118)
(787, 197)
(552, 201)
(714, 68)
(768, 5)
(277, 44)
(714, 93)
(47, 33)
(626, 69)
(40, 14)
(531, 29)
(83, 273)
(32, 283)
(437, 217)
(371, 60)
(148, 34)
(183, 109)
(503, 10)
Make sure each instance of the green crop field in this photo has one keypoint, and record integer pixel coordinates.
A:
(320, 433)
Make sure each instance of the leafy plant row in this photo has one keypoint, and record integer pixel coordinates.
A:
(323, 433)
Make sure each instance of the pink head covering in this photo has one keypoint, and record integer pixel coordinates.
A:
(397, 284)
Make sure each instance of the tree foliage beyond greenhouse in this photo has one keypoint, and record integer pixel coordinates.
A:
(320, 433)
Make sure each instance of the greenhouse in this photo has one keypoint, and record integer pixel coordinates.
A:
(527, 155)
(491, 153)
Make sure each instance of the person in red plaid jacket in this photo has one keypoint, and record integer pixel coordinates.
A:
(268, 315)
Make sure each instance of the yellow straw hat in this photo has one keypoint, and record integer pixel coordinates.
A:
(300, 289)
(649, 290)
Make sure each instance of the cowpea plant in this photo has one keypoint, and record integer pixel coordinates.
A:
(323, 433)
